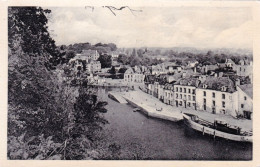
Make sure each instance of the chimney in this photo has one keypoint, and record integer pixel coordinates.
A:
(195, 69)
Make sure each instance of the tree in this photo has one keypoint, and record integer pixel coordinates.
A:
(112, 70)
(122, 70)
(33, 36)
(122, 58)
(44, 111)
(105, 60)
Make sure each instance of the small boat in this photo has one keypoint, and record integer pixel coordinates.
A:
(217, 129)
(136, 109)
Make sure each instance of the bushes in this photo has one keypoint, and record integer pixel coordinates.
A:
(47, 118)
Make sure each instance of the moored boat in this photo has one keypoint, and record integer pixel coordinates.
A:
(217, 129)
(136, 109)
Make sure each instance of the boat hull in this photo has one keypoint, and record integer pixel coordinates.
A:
(216, 133)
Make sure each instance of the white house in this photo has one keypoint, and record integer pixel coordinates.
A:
(93, 66)
(134, 75)
(184, 93)
(90, 54)
(245, 100)
(169, 94)
(217, 95)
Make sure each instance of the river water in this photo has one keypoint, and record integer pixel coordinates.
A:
(158, 139)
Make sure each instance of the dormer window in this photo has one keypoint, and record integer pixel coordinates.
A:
(223, 88)
(205, 86)
(189, 83)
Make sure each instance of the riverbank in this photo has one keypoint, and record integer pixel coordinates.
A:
(152, 107)
(163, 140)
(149, 104)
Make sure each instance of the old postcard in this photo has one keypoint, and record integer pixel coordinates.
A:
(165, 83)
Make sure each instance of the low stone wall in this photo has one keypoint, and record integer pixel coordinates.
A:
(156, 114)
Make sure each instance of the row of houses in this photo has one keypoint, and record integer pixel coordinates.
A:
(218, 95)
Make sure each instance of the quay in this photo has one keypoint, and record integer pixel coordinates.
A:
(153, 107)
(115, 96)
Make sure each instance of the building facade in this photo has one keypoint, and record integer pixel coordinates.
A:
(217, 95)
(169, 94)
(245, 100)
(185, 93)
(94, 66)
(133, 75)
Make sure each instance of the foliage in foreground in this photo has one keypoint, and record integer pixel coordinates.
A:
(47, 118)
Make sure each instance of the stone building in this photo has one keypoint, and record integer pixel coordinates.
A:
(185, 93)
(134, 75)
(217, 95)
(245, 100)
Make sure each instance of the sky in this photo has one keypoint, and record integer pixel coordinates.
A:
(208, 27)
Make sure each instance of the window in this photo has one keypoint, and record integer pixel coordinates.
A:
(223, 96)
(223, 88)
(193, 98)
(242, 105)
(244, 97)
(184, 90)
(223, 104)
(180, 89)
(188, 90)
(181, 96)
(176, 95)
(204, 93)
(176, 89)
(189, 97)
(185, 97)
(204, 101)
(213, 95)
(214, 103)
(193, 91)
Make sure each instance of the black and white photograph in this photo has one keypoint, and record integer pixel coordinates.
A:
(130, 82)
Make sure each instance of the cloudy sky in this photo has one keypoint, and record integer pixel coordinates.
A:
(209, 27)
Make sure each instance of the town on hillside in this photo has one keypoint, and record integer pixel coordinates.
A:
(151, 82)
(218, 84)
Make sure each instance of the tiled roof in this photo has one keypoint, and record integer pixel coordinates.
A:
(216, 83)
(186, 81)
(161, 79)
(150, 78)
(248, 89)
(168, 86)
(129, 71)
